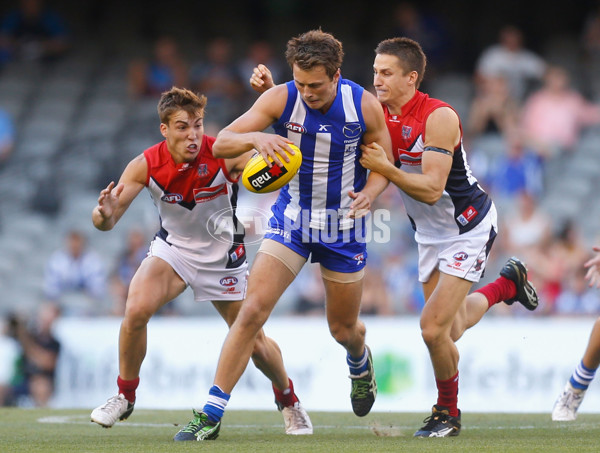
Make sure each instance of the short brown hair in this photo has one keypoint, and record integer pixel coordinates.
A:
(180, 99)
(315, 48)
(408, 51)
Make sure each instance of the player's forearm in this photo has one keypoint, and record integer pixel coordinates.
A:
(232, 144)
(376, 184)
(418, 186)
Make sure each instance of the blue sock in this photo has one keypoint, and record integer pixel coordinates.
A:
(582, 377)
(216, 403)
(357, 365)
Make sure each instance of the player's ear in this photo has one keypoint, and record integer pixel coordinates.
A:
(163, 129)
(413, 77)
(337, 75)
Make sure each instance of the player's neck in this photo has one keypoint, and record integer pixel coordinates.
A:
(395, 105)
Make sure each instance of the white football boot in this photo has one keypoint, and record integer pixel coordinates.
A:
(565, 408)
(297, 421)
(115, 408)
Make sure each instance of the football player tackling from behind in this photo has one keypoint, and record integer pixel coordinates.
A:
(188, 185)
(453, 218)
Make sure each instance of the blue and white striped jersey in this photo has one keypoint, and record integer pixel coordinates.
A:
(330, 150)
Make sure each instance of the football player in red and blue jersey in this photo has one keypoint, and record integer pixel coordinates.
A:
(453, 217)
(188, 185)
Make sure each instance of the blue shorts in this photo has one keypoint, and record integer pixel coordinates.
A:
(342, 253)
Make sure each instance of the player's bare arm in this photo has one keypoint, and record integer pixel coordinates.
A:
(115, 199)
(376, 132)
(442, 134)
(593, 267)
(261, 79)
(235, 166)
(245, 133)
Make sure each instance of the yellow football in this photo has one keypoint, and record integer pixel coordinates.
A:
(259, 178)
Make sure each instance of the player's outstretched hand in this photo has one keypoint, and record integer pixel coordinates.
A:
(593, 267)
(261, 79)
(109, 199)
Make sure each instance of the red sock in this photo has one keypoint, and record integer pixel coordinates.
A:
(127, 388)
(286, 397)
(499, 290)
(448, 394)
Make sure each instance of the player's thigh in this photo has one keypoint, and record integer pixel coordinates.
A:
(445, 301)
(154, 284)
(430, 285)
(275, 267)
(343, 296)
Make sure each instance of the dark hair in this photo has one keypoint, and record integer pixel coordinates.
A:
(408, 51)
(315, 48)
(180, 99)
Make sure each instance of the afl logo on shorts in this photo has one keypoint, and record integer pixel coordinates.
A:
(172, 198)
(460, 256)
(228, 281)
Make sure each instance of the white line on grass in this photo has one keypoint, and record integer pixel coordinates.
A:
(84, 420)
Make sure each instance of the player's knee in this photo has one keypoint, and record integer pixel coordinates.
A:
(137, 316)
(344, 333)
(251, 316)
(432, 335)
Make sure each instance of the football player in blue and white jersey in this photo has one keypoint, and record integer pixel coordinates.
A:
(319, 214)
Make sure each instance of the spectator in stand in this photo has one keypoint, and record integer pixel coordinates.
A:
(429, 29)
(41, 350)
(493, 109)
(376, 300)
(400, 274)
(577, 298)
(34, 376)
(7, 136)
(259, 52)
(217, 77)
(510, 59)
(526, 227)
(518, 170)
(570, 248)
(127, 264)
(76, 270)
(554, 116)
(33, 32)
(555, 261)
(10, 360)
(310, 299)
(166, 68)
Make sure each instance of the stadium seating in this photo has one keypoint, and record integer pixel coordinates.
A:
(77, 129)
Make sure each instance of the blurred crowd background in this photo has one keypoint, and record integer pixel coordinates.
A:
(79, 83)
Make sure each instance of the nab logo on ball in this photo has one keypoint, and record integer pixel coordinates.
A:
(266, 176)
(259, 178)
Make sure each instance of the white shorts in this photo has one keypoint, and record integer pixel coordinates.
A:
(207, 283)
(464, 255)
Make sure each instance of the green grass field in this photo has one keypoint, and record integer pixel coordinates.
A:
(38, 430)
